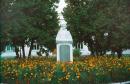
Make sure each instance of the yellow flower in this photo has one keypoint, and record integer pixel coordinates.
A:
(78, 77)
(23, 66)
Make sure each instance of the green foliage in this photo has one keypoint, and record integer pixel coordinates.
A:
(29, 19)
(46, 70)
(76, 53)
(95, 18)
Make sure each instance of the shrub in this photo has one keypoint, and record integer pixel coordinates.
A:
(76, 52)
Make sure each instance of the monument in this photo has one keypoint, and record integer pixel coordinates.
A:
(64, 43)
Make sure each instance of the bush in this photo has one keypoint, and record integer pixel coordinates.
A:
(76, 52)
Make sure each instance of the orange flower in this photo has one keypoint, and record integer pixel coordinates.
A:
(23, 66)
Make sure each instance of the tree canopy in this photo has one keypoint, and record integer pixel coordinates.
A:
(24, 21)
(102, 24)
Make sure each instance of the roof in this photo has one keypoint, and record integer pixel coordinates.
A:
(64, 36)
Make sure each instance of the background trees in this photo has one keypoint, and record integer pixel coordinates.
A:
(25, 21)
(103, 24)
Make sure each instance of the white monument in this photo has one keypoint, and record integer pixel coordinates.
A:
(64, 45)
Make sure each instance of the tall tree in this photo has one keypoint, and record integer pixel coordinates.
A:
(13, 23)
(100, 23)
(82, 19)
(33, 20)
(43, 21)
(119, 26)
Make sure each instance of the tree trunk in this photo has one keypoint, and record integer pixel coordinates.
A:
(23, 51)
(113, 53)
(20, 53)
(103, 52)
(119, 53)
(97, 53)
(90, 45)
(16, 51)
(31, 47)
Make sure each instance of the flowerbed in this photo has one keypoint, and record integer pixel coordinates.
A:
(88, 70)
